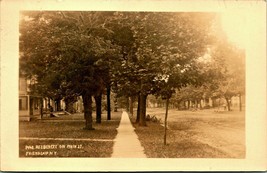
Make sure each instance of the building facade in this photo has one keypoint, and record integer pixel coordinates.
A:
(29, 105)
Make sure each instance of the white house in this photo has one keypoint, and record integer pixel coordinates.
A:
(29, 105)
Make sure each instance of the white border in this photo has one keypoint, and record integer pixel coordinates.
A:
(256, 131)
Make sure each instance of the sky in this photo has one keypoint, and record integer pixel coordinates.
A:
(235, 26)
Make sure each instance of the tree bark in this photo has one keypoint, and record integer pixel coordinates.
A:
(145, 105)
(142, 121)
(228, 104)
(58, 106)
(41, 108)
(165, 121)
(98, 99)
(87, 103)
(108, 103)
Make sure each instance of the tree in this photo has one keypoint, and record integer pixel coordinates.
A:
(190, 93)
(154, 41)
(65, 49)
(180, 65)
(229, 61)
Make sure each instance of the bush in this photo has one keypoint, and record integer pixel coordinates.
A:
(153, 119)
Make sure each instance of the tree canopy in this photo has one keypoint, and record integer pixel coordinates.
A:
(71, 54)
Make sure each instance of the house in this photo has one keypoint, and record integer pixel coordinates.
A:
(29, 105)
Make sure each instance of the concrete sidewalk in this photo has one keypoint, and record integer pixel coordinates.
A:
(126, 142)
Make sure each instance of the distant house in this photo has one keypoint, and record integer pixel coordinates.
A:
(29, 105)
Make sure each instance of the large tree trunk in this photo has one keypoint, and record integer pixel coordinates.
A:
(41, 108)
(240, 102)
(132, 99)
(165, 121)
(145, 105)
(48, 104)
(108, 103)
(58, 106)
(138, 110)
(87, 103)
(98, 100)
(142, 121)
(228, 104)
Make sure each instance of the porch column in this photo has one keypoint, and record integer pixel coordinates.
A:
(29, 107)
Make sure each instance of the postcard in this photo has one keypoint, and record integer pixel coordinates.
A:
(133, 85)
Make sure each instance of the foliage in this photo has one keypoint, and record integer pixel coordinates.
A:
(65, 53)
(229, 62)
(222, 74)
(70, 54)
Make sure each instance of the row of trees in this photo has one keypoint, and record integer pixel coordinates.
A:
(133, 54)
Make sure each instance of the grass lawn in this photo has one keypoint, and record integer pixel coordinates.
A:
(199, 134)
(52, 132)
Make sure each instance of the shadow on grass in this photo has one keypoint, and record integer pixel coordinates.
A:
(180, 143)
(200, 134)
(67, 129)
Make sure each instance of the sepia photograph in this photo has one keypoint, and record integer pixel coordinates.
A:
(131, 84)
(140, 88)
